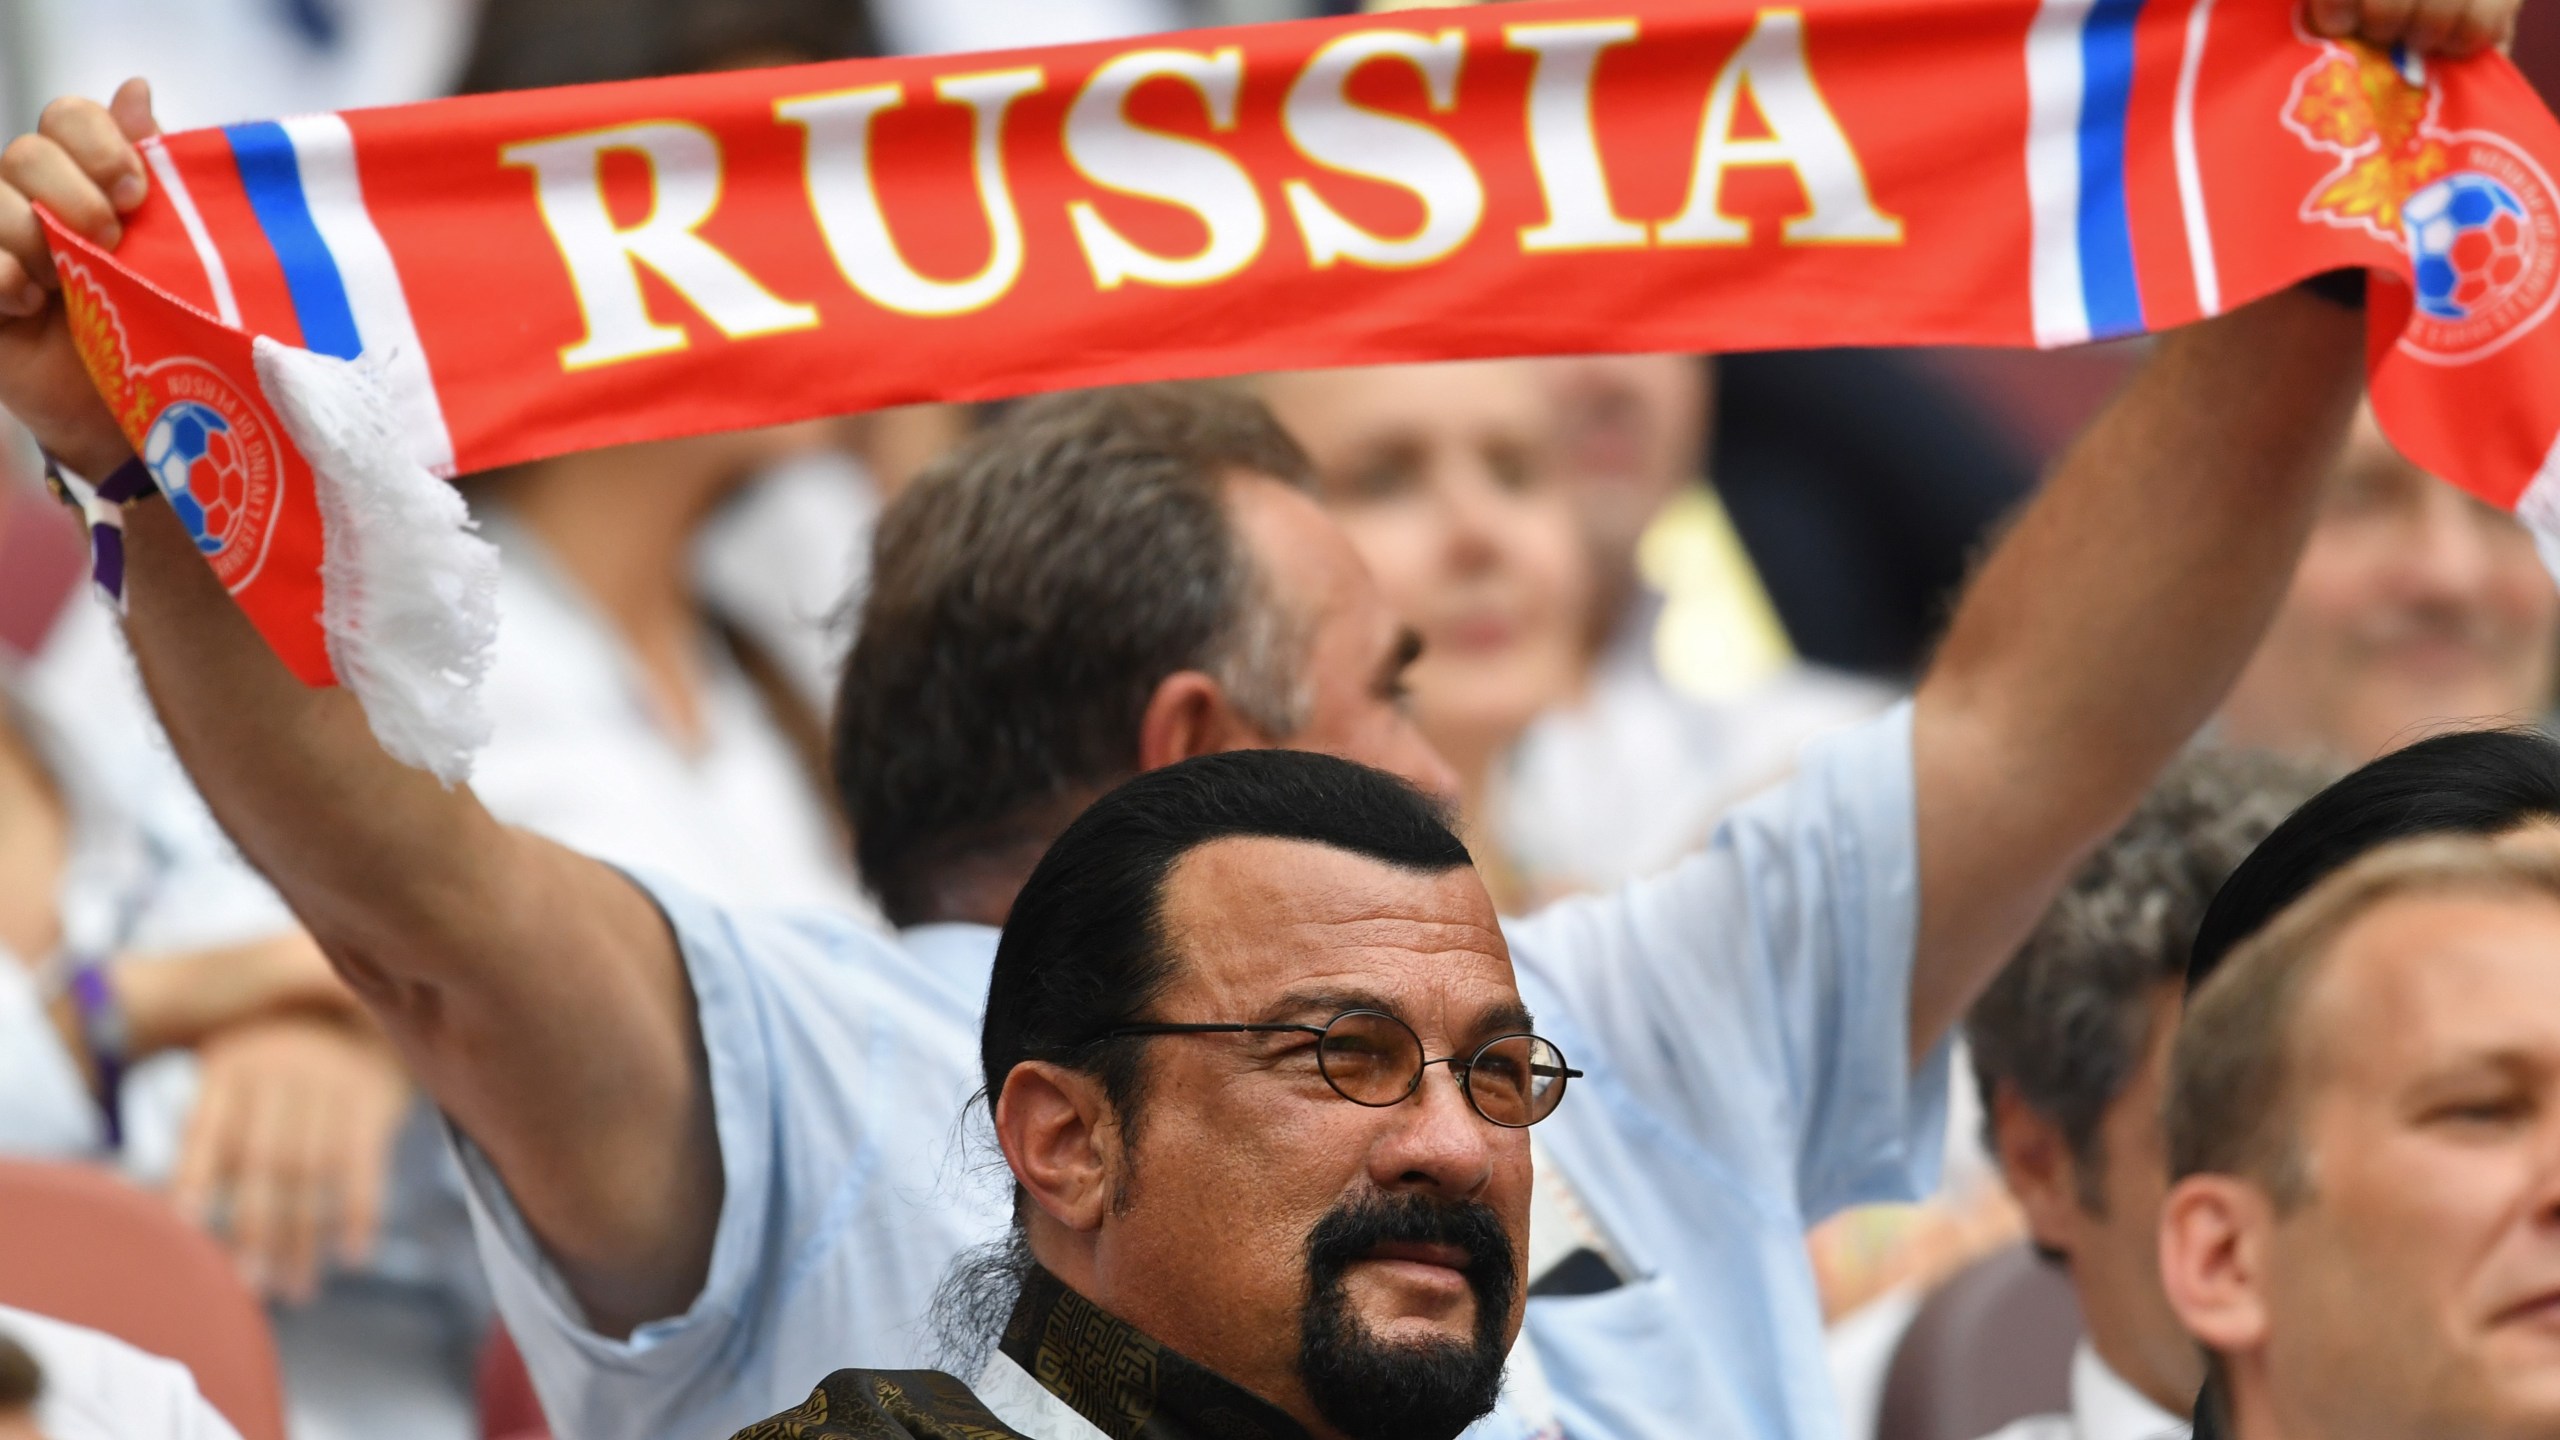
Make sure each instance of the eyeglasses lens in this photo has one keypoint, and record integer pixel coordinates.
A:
(1516, 1080)
(1371, 1058)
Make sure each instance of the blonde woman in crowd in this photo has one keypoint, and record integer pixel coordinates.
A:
(1444, 476)
(1691, 695)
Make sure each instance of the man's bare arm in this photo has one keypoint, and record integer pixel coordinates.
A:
(2106, 627)
(2109, 624)
(538, 994)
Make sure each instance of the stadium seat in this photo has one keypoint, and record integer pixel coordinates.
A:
(79, 1244)
(41, 562)
(1991, 1345)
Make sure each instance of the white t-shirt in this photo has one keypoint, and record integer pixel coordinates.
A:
(577, 753)
(2103, 1407)
(97, 1387)
(787, 561)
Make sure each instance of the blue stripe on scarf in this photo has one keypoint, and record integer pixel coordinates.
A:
(2108, 285)
(273, 178)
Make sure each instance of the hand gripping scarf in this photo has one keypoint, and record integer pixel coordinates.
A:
(311, 317)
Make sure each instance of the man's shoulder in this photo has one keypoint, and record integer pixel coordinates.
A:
(824, 971)
(827, 934)
(1850, 790)
(885, 1405)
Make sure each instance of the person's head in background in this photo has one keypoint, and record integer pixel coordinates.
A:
(2481, 784)
(2415, 608)
(1631, 434)
(2363, 1227)
(2477, 784)
(1445, 478)
(2070, 1049)
(1012, 662)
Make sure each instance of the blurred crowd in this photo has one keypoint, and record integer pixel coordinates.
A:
(1628, 594)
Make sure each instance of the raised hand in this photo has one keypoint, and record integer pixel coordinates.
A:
(82, 164)
(2430, 27)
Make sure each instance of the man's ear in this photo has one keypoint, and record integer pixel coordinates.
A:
(2035, 1158)
(1189, 714)
(1061, 1140)
(2215, 1233)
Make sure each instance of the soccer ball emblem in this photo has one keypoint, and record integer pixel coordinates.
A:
(196, 459)
(2471, 240)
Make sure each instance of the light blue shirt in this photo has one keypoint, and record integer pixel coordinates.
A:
(1743, 1019)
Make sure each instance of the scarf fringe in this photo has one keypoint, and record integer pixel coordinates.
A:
(410, 602)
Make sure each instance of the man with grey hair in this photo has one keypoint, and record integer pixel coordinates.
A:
(2070, 1050)
(1003, 600)
(2364, 1136)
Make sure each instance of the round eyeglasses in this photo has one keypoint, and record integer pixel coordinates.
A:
(1372, 1058)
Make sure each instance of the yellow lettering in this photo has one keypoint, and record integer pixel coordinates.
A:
(1803, 136)
(1117, 154)
(845, 194)
(1339, 135)
(604, 258)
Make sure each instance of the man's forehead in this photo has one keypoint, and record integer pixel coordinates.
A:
(1265, 914)
(1358, 400)
(2419, 979)
(1300, 548)
(1283, 525)
(2536, 835)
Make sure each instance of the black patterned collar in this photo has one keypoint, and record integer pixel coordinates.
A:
(1130, 1386)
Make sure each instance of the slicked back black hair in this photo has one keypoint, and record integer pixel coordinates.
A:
(2471, 782)
(1084, 949)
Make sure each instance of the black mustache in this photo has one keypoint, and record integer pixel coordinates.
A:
(1428, 1390)
(1356, 1227)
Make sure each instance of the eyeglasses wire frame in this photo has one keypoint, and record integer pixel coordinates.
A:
(1459, 1070)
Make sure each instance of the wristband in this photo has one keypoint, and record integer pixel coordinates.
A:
(104, 1033)
(101, 506)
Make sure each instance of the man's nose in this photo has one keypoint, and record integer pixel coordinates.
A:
(1436, 1141)
(1472, 498)
(2450, 557)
